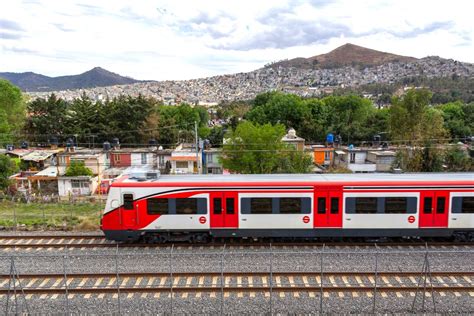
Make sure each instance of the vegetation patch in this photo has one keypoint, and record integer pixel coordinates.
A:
(50, 216)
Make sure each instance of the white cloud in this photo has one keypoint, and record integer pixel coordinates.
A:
(162, 40)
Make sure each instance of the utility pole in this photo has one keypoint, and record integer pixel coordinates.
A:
(197, 146)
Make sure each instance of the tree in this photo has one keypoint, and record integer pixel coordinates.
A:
(216, 136)
(7, 168)
(47, 117)
(12, 105)
(457, 159)
(348, 116)
(428, 158)
(287, 109)
(259, 149)
(412, 120)
(77, 168)
(455, 119)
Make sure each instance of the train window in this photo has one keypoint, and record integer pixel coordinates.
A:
(334, 205)
(290, 206)
(463, 204)
(257, 206)
(440, 205)
(157, 206)
(190, 206)
(217, 206)
(321, 205)
(128, 201)
(428, 205)
(396, 205)
(229, 205)
(468, 204)
(365, 205)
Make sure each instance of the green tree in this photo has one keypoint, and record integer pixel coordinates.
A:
(428, 158)
(316, 124)
(455, 119)
(77, 168)
(7, 168)
(12, 104)
(457, 159)
(6, 136)
(47, 117)
(412, 120)
(254, 148)
(287, 109)
(348, 116)
(126, 117)
(216, 136)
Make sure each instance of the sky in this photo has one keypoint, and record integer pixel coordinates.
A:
(185, 39)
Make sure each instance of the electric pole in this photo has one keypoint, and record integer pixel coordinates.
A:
(197, 146)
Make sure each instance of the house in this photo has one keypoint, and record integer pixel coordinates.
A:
(95, 159)
(120, 158)
(185, 159)
(210, 161)
(383, 159)
(163, 160)
(291, 139)
(37, 165)
(354, 159)
(77, 186)
(322, 155)
(40, 159)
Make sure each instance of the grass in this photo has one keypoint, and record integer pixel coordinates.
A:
(63, 215)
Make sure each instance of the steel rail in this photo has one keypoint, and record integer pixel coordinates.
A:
(242, 274)
(109, 244)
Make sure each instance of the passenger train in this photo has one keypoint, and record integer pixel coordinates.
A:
(198, 208)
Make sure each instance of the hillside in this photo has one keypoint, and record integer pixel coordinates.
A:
(345, 55)
(96, 77)
(384, 69)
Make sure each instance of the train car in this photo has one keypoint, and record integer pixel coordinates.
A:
(200, 207)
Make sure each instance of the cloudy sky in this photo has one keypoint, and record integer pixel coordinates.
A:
(177, 39)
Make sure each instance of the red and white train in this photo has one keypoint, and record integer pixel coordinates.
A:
(199, 207)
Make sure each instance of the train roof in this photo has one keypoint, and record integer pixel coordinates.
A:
(191, 179)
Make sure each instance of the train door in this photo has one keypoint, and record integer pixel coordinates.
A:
(434, 209)
(328, 207)
(129, 211)
(224, 212)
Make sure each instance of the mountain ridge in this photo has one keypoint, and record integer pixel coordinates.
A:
(345, 55)
(95, 77)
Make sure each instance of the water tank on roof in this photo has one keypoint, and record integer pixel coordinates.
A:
(53, 140)
(24, 145)
(106, 146)
(330, 138)
(10, 147)
(115, 141)
(152, 142)
(69, 143)
(351, 147)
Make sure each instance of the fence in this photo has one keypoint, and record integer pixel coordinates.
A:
(222, 263)
(44, 213)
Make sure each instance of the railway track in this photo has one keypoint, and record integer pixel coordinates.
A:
(98, 241)
(240, 282)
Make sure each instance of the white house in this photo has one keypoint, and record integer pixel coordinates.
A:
(77, 186)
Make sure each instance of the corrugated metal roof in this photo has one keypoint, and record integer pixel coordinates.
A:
(51, 171)
(38, 155)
